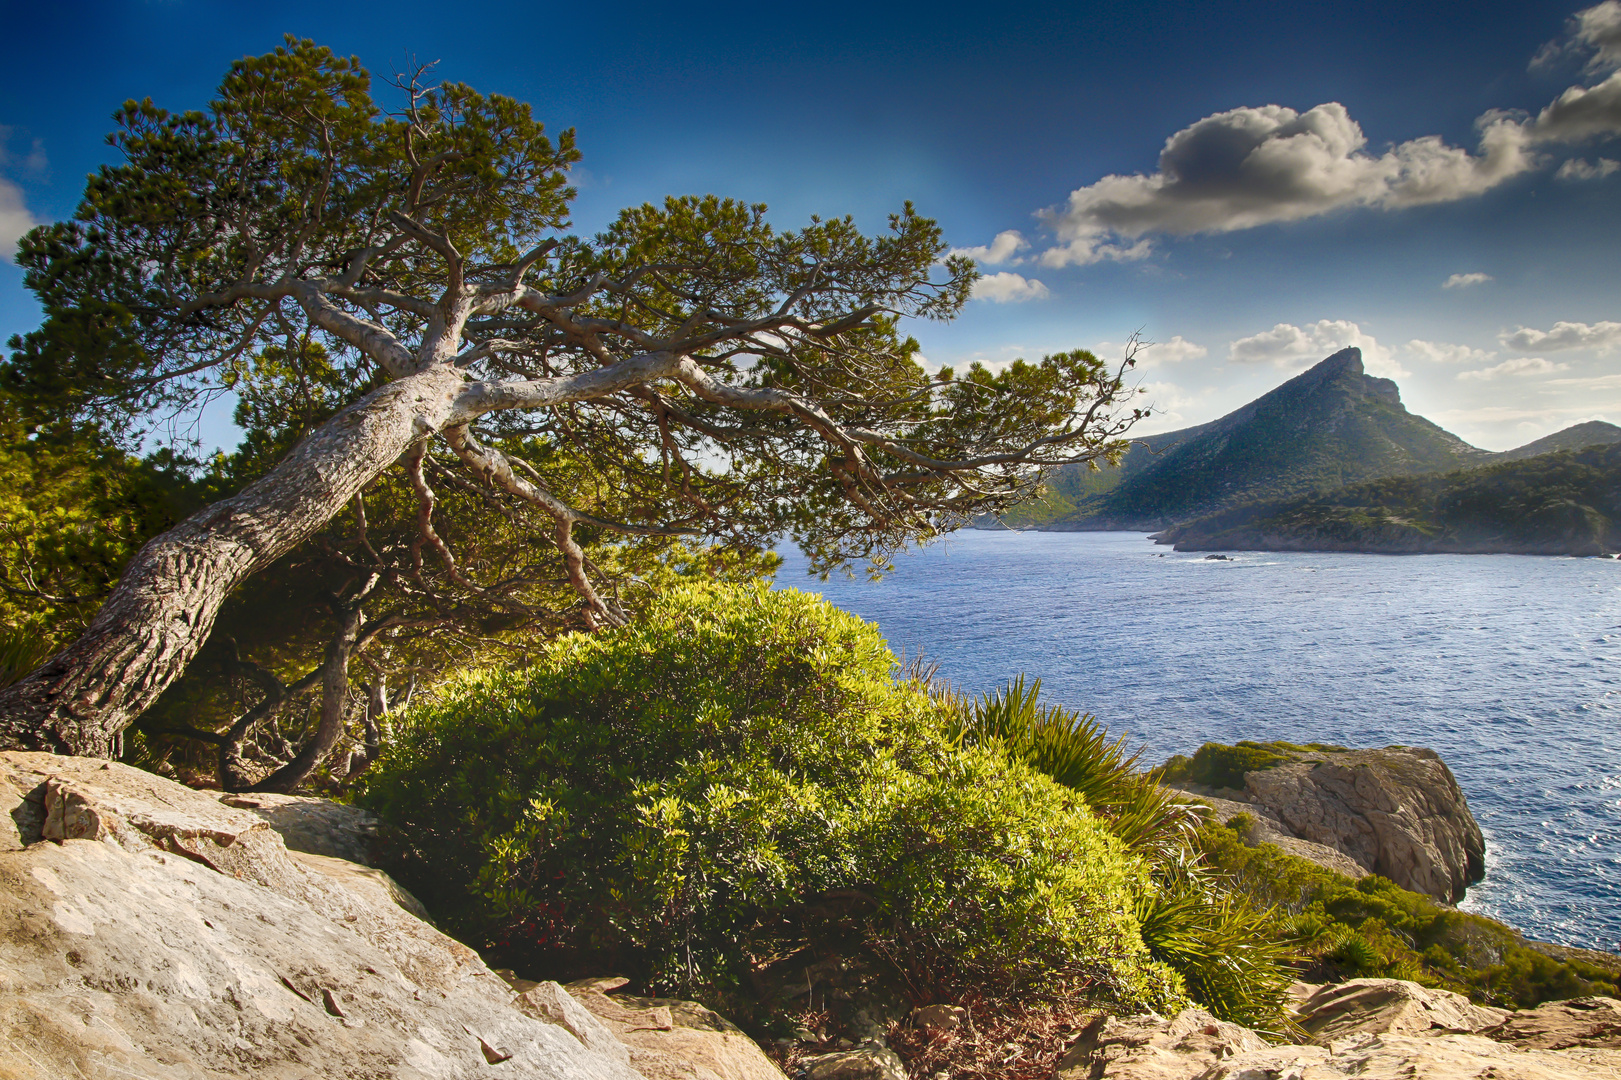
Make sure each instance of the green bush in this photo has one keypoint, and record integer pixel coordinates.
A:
(734, 778)
(1374, 928)
(1218, 766)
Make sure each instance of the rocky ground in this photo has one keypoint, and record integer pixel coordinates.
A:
(149, 930)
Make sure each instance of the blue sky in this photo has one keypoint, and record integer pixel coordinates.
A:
(1251, 185)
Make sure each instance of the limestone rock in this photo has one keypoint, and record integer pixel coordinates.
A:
(316, 826)
(934, 1020)
(1194, 1046)
(671, 1039)
(865, 1063)
(1397, 1057)
(157, 932)
(1270, 829)
(1152, 1047)
(1590, 1021)
(550, 1002)
(1394, 1006)
(1397, 812)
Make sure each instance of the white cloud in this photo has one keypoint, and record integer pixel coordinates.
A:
(1007, 244)
(1258, 166)
(1463, 281)
(1154, 354)
(1602, 336)
(1287, 346)
(14, 218)
(1595, 30)
(1580, 113)
(1523, 365)
(1440, 352)
(1009, 288)
(1582, 169)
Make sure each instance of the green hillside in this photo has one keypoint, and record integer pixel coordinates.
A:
(1575, 437)
(1564, 503)
(1327, 427)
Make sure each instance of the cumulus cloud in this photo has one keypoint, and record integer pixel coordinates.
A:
(1602, 336)
(1579, 114)
(1154, 354)
(1594, 32)
(14, 216)
(1524, 365)
(1463, 281)
(1440, 352)
(1288, 346)
(1009, 288)
(1258, 166)
(1582, 169)
(1006, 245)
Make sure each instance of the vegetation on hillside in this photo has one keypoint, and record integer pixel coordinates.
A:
(1372, 928)
(1567, 502)
(1328, 426)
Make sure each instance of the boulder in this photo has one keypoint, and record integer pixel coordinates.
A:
(1558, 1025)
(312, 825)
(1397, 812)
(670, 1039)
(1153, 1047)
(864, 1063)
(148, 930)
(1390, 1006)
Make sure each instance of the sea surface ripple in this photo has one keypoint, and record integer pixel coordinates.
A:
(1505, 665)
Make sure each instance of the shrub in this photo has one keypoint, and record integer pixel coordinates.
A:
(1374, 928)
(1217, 766)
(736, 777)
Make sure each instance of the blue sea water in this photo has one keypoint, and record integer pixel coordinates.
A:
(1508, 666)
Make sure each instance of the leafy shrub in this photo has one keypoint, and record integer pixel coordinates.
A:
(735, 777)
(1374, 928)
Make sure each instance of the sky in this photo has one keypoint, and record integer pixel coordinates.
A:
(1249, 186)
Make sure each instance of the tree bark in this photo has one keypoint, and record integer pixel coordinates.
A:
(166, 602)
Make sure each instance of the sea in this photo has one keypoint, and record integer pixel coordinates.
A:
(1507, 666)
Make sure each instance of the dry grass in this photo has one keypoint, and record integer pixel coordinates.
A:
(1008, 1040)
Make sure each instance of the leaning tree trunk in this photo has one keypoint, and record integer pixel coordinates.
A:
(166, 601)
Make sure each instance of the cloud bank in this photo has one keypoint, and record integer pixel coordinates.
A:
(15, 218)
(1259, 166)
(1600, 336)
(1009, 288)
(1288, 346)
(1594, 32)
(1582, 169)
(1441, 352)
(1463, 281)
(1525, 365)
(1007, 244)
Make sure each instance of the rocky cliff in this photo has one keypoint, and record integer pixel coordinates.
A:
(148, 930)
(1397, 812)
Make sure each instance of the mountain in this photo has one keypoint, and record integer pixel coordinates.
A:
(1575, 437)
(1329, 426)
(1564, 503)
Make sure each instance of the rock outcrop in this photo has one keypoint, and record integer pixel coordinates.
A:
(1372, 1029)
(1397, 812)
(148, 930)
(670, 1039)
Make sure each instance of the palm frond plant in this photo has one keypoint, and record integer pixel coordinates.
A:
(1231, 954)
